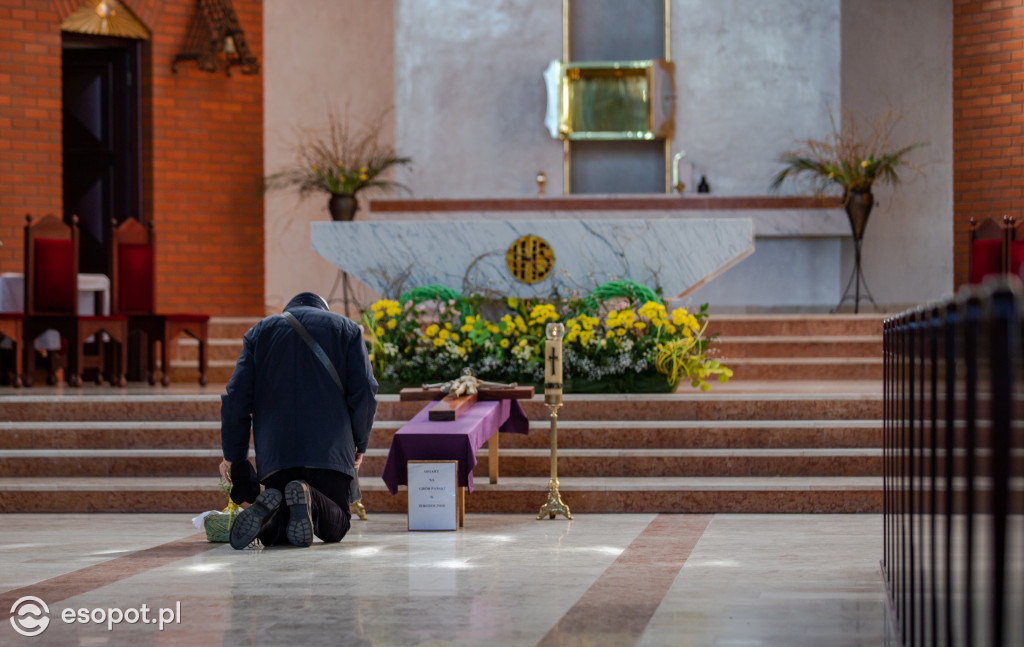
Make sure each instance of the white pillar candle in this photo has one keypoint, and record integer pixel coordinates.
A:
(553, 363)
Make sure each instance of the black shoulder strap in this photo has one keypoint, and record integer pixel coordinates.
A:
(316, 348)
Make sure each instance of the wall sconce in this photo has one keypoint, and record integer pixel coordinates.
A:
(215, 32)
(105, 18)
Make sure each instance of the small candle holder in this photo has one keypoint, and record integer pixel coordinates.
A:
(542, 179)
(554, 332)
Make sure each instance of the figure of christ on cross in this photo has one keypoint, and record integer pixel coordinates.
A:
(459, 394)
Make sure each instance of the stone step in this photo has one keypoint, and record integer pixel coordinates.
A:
(744, 325)
(184, 371)
(636, 463)
(227, 350)
(689, 405)
(793, 325)
(804, 333)
(733, 324)
(804, 368)
(866, 346)
(840, 368)
(525, 495)
(623, 434)
(217, 350)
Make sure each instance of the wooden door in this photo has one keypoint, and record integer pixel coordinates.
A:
(101, 139)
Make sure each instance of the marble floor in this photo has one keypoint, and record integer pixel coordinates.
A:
(622, 579)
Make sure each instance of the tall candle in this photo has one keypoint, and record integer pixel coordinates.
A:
(553, 363)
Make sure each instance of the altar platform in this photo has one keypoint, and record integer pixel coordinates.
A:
(505, 580)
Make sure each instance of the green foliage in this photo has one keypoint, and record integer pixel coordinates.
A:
(847, 159)
(339, 160)
(617, 335)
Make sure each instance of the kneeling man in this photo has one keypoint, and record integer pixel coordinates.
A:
(304, 384)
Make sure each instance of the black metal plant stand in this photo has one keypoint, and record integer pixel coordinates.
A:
(343, 207)
(858, 208)
(346, 291)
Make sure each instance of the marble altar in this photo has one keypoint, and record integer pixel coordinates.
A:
(803, 251)
(677, 255)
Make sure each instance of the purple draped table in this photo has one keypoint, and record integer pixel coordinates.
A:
(421, 439)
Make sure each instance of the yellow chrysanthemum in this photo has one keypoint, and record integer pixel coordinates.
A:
(431, 330)
(503, 343)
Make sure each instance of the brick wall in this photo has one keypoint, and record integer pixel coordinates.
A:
(203, 152)
(30, 120)
(988, 116)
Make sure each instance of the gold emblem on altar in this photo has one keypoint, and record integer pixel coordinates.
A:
(530, 259)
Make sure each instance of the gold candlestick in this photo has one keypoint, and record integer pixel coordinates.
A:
(553, 400)
(542, 179)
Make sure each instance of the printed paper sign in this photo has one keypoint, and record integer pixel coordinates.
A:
(432, 495)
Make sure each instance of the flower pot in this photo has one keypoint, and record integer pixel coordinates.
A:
(343, 206)
(858, 208)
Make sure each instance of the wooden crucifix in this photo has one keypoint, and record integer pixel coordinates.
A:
(457, 396)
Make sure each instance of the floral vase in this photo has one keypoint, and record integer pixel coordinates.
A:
(343, 206)
(858, 207)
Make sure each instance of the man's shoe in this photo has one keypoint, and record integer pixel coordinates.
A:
(251, 521)
(300, 514)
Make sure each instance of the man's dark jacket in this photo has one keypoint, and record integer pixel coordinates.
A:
(298, 416)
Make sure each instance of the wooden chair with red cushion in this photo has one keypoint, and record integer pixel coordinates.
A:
(1015, 253)
(987, 251)
(51, 302)
(11, 325)
(134, 294)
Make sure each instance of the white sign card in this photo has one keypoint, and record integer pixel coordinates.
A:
(433, 490)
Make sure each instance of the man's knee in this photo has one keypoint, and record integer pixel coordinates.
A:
(334, 529)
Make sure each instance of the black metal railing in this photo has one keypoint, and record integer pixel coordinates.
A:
(953, 553)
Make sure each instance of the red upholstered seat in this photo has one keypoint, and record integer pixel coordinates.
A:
(133, 281)
(51, 303)
(135, 278)
(988, 248)
(1016, 261)
(55, 288)
(986, 258)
